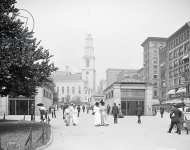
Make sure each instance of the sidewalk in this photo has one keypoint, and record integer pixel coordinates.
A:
(126, 135)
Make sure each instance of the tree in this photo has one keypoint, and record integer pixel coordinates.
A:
(24, 63)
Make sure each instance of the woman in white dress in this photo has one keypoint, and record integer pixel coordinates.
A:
(97, 115)
(67, 115)
(103, 113)
(75, 117)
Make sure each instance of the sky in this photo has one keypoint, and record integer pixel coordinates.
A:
(118, 28)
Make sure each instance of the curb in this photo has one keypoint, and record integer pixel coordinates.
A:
(48, 144)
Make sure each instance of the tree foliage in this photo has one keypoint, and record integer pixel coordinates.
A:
(24, 63)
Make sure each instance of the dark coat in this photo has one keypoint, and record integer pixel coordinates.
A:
(115, 110)
(139, 111)
(175, 115)
(161, 110)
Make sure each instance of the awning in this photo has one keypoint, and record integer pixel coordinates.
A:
(171, 92)
(181, 90)
(185, 57)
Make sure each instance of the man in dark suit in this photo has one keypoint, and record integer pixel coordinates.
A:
(139, 113)
(115, 112)
(175, 116)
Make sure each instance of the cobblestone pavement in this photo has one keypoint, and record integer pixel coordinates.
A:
(126, 135)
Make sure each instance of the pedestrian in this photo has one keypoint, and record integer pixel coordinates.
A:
(115, 113)
(139, 113)
(97, 115)
(71, 108)
(120, 112)
(161, 111)
(67, 115)
(75, 117)
(108, 109)
(54, 113)
(63, 109)
(103, 113)
(78, 109)
(83, 108)
(175, 116)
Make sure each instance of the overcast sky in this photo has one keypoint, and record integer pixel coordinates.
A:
(118, 28)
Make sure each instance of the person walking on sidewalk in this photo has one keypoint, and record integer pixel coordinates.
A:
(139, 113)
(115, 113)
(78, 110)
(103, 113)
(83, 108)
(75, 115)
(175, 116)
(97, 115)
(108, 109)
(161, 111)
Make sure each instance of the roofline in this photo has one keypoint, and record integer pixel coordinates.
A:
(117, 69)
(155, 39)
(186, 24)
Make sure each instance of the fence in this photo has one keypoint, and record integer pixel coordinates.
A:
(28, 143)
(35, 138)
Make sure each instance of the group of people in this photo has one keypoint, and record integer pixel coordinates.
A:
(70, 114)
(100, 113)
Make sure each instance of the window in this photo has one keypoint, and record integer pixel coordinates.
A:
(176, 81)
(170, 74)
(170, 56)
(62, 89)
(155, 93)
(67, 90)
(155, 76)
(73, 90)
(58, 90)
(175, 63)
(79, 90)
(155, 66)
(175, 53)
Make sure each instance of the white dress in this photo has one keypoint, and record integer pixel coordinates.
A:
(75, 117)
(97, 116)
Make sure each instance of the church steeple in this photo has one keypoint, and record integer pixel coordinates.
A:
(89, 49)
(88, 71)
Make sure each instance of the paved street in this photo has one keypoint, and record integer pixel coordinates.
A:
(126, 135)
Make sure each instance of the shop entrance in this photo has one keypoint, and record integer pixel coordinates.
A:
(130, 107)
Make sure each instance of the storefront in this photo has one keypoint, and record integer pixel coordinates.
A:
(130, 94)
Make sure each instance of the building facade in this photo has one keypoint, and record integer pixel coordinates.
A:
(113, 75)
(162, 74)
(130, 93)
(151, 48)
(178, 47)
(23, 106)
(81, 85)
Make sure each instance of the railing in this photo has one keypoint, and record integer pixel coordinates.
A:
(28, 143)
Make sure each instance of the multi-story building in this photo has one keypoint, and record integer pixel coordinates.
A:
(130, 93)
(113, 75)
(81, 85)
(178, 62)
(162, 73)
(151, 62)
